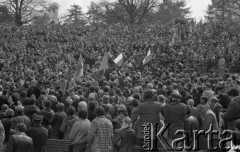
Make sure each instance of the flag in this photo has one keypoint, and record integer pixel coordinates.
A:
(147, 58)
(104, 63)
(119, 60)
(79, 71)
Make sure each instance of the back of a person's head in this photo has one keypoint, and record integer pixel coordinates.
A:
(135, 103)
(82, 105)
(100, 111)
(21, 127)
(9, 113)
(150, 86)
(91, 106)
(205, 99)
(190, 102)
(19, 109)
(233, 92)
(137, 96)
(23, 94)
(105, 99)
(214, 100)
(106, 108)
(82, 113)
(60, 107)
(31, 101)
(47, 103)
(148, 94)
(71, 111)
(161, 98)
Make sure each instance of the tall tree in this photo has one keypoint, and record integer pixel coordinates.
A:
(5, 16)
(172, 10)
(223, 10)
(137, 9)
(95, 13)
(75, 15)
(24, 11)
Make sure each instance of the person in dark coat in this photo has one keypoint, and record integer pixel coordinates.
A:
(31, 108)
(33, 90)
(20, 142)
(56, 122)
(20, 117)
(7, 123)
(126, 137)
(38, 133)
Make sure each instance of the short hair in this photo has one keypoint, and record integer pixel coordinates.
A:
(60, 106)
(21, 127)
(233, 92)
(214, 100)
(23, 94)
(135, 103)
(136, 96)
(71, 110)
(148, 94)
(100, 111)
(190, 102)
(47, 104)
(106, 108)
(31, 101)
(83, 113)
(127, 120)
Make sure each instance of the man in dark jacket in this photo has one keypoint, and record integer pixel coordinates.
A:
(20, 142)
(38, 133)
(233, 110)
(33, 90)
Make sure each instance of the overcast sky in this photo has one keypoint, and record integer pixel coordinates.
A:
(198, 7)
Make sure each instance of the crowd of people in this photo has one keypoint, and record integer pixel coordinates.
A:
(40, 99)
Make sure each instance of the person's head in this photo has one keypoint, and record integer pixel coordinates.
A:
(19, 109)
(23, 94)
(126, 122)
(105, 99)
(233, 93)
(212, 102)
(47, 104)
(83, 113)
(175, 96)
(100, 111)
(37, 118)
(21, 127)
(203, 100)
(162, 99)
(60, 107)
(71, 111)
(9, 113)
(82, 105)
(31, 101)
(202, 109)
(148, 95)
(4, 107)
(91, 106)
(190, 102)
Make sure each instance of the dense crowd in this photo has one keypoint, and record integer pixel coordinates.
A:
(40, 98)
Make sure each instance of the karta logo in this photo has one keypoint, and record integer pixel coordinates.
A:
(182, 142)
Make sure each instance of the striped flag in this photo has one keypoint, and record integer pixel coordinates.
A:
(147, 58)
(104, 63)
(79, 71)
(119, 60)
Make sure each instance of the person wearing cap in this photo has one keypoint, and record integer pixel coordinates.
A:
(38, 133)
(100, 127)
(20, 142)
(20, 117)
(126, 136)
(232, 113)
(174, 113)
